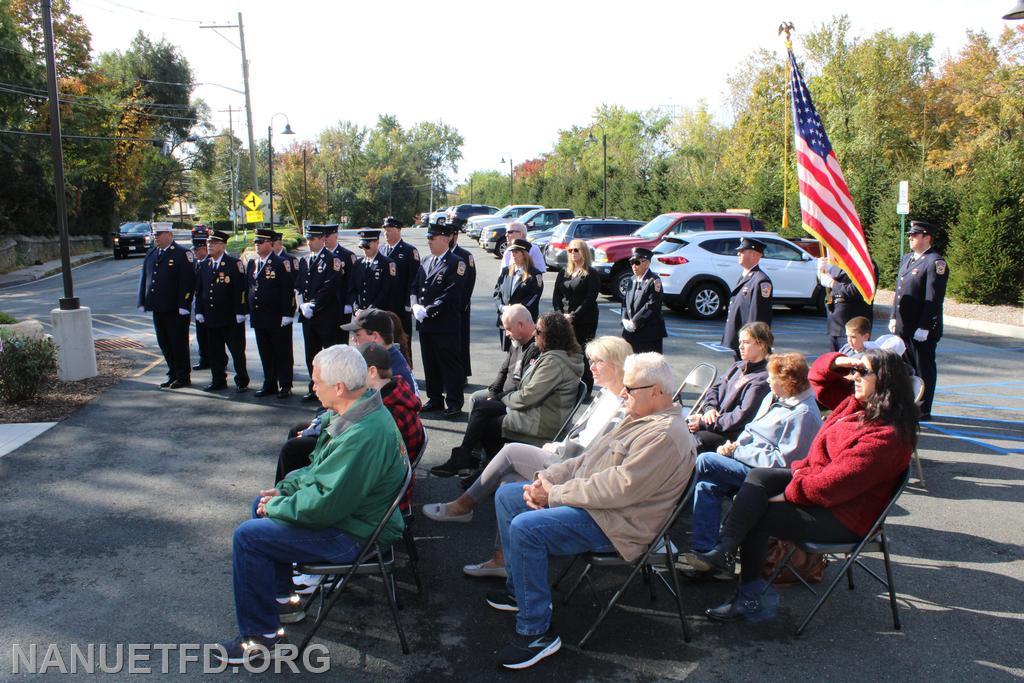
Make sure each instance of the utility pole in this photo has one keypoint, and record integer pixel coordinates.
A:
(231, 168)
(248, 97)
(303, 182)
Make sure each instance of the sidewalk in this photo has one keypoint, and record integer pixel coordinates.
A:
(32, 273)
(1004, 321)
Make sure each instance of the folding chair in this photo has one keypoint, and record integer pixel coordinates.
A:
(918, 385)
(372, 559)
(581, 393)
(645, 564)
(874, 541)
(409, 515)
(701, 377)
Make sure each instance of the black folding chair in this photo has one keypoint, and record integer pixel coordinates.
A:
(701, 378)
(661, 546)
(874, 541)
(372, 559)
(581, 393)
(918, 385)
(409, 515)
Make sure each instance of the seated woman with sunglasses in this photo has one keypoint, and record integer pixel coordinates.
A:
(834, 494)
(520, 461)
(576, 289)
(732, 402)
(520, 283)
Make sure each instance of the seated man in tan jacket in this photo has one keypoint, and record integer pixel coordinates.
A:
(615, 496)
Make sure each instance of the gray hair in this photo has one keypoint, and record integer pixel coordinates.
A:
(342, 364)
(651, 368)
(517, 313)
(516, 225)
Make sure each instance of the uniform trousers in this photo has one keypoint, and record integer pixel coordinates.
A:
(202, 343)
(836, 342)
(231, 335)
(922, 358)
(753, 520)
(467, 365)
(172, 337)
(442, 368)
(585, 332)
(317, 335)
(654, 345)
(275, 347)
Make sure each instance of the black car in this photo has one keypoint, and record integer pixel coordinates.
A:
(458, 215)
(583, 229)
(134, 237)
(493, 237)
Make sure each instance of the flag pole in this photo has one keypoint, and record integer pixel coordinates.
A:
(786, 27)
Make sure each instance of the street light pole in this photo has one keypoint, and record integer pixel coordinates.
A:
(303, 182)
(604, 164)
(511, 184)
(270, 156)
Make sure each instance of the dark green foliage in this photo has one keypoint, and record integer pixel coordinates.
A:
(24, 365)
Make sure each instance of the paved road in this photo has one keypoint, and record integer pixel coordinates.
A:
(117, 527)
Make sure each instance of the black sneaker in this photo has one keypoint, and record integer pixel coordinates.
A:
(458, 461)
(292, 611)
(502, 601)
(525, 651)
(249, 649)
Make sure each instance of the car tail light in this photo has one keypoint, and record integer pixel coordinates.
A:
(673, 260)
(558, 245)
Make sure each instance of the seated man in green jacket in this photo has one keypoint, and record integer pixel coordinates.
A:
(614, 496)
(325, 511)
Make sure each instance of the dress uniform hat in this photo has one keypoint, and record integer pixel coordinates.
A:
(315, 230)
(920, 228)
(278, 236)
(199, 236)
(367, 236)
(372, 320)
(640, 254)
(392, 222)
(263, 235)
(330, 229)
(220, 235)
(747, 243)
(440, 230)
(519, 245)
(163, 226)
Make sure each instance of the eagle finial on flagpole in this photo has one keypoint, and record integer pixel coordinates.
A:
(786, 27)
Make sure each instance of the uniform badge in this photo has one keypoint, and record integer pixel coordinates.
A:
(190, 256)
(940, 267)
(170, 262)
(352, 257)
(287, 266)
(320, 266)
(461, 270)
(337, 264)
(657, 285)
(472, 263)
(540, 280)
(766, 290)
(415, 255)
(392, 269)
(241, 268)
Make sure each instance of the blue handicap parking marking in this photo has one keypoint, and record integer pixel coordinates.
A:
(715, 346)
(971, 437)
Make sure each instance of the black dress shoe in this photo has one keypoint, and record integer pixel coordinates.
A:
(309, 397)
(215, 387)
(284, 393)
(164, 385)
(467, 477)
(925, 417)
(431, 407)
(179, 383)
(201, 366)
(718, 559)
(729, 611)
(458, 461)
(263, 393)
(453, 413)
(241, 389)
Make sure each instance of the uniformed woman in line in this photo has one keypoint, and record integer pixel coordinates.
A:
(520, 283)
(576, 289)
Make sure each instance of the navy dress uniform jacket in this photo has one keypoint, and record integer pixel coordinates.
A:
(168, 279)
(270, 294)
(319, 275)
(220, 292)
(642, 305)
(470, 277)
(515, 289)
(751, 301)
(407, 262)
(920, 291)
(845, 302)
(372, 283)
(440, 291)
(293, 268)
(343, 283)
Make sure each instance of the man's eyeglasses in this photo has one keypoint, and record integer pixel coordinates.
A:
(630, 390)
(862, 371)
(259, 241)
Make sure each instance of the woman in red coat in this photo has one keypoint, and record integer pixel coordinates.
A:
(836, 492)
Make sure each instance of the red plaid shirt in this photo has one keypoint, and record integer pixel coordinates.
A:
(404, 406)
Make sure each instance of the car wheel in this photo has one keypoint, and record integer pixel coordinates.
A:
(620, 284)
(500, 249)
(117, 255)
(706, 301)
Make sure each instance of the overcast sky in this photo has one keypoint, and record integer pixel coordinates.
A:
(507, 75)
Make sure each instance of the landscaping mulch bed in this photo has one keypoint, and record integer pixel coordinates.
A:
(57, 400)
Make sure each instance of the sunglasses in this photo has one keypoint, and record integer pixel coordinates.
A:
(573, 251)
(259, 241)
(861, 371)
(365, 246)
(630, 390)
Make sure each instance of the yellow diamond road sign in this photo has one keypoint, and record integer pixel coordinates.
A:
(252, 201)
(253, 216)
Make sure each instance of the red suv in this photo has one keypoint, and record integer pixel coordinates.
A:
(611, 254)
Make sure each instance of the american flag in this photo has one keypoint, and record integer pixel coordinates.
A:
(825, 202)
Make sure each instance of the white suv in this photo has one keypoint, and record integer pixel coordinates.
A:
(699, 270)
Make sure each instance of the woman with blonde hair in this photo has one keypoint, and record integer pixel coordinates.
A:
(576, 290)
(520, 283)
(518, 461)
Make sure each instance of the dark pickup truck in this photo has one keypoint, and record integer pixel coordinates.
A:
(135, 237)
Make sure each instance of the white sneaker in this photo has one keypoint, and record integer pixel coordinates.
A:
(306, 583)
(482, 570)
(439, 513)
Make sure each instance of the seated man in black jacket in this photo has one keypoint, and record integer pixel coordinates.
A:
(519, 327)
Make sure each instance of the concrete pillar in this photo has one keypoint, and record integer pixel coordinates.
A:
(76, 352)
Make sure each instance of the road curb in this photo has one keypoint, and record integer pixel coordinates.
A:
(33, 273)
(884, 312)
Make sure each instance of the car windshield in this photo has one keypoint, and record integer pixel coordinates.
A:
(135, 228)
(507, 212)
(655, 227)
(668, 246)
(560, 232)
(528, 215)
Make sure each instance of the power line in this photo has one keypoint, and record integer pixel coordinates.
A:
(139, 11)
(77, 137)
(101, 106)
(30, 89)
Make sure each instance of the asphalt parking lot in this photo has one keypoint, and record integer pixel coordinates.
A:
(117, 528)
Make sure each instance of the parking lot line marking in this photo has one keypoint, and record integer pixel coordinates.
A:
(984, 384)
(976, 393)
(979, 419)
(978, 405)
(956, 434)
(143, 371)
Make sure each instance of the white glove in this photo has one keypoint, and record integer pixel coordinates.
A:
(286, 320)
(628, 325)
(826, 280)
(348, 309)
(408, 309)
(200, 318)
(419, 312)
(142, 309)
(892, 325)
(920, 335)
(307, 309)
(239, 318)
(184, 311)
(501, 308)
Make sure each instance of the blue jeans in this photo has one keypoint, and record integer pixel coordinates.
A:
(528, 537)
(263, 551)
(717, 477)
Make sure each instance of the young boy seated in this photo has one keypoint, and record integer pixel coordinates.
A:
(858, 339)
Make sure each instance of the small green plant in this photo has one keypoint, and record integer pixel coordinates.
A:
(24, 365)
(7, 319)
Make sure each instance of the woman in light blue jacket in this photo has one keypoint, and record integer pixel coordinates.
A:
(782, 431)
